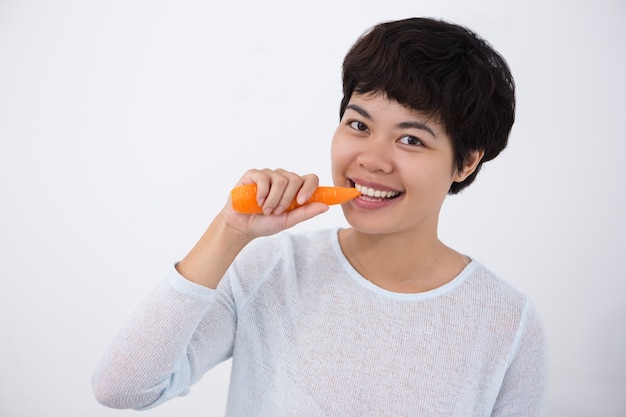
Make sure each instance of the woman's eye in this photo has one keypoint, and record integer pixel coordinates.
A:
(410, 140)
(356, 125)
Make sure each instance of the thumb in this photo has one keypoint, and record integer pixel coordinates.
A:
(305, 212)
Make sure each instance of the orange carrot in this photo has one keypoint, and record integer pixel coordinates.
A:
(244, 197)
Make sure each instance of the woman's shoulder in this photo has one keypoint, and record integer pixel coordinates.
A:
(278, 245)
(283, 251)
(491, 289)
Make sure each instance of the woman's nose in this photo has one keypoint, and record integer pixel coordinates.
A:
(375, 156)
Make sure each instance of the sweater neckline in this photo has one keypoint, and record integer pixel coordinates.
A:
(379, 291)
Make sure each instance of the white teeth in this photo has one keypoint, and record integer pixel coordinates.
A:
(371, 192)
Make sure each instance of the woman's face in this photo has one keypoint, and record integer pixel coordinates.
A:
(400, 159)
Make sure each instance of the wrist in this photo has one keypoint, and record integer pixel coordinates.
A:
(210, 258)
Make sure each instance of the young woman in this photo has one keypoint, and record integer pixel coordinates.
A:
(381, 318)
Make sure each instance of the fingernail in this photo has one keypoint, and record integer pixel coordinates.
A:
(302, 199)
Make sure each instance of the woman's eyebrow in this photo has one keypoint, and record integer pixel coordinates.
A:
(403, 125)
(416, 125)
(359, 110)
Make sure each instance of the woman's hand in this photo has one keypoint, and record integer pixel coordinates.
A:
(276, 189)
(231, 231)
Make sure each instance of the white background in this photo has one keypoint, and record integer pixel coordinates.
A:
(124, 124)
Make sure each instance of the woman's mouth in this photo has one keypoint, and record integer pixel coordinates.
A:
(373, 194)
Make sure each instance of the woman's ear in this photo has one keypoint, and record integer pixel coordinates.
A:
(469, 165)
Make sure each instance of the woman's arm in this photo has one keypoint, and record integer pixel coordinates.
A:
(186, 325)
(178, 332)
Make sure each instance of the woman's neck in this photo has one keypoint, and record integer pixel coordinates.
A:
(400, 263)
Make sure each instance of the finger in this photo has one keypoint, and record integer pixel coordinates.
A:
(283, 190)
(292, 189)
(263, 180)
(304, 213)
(310, 184)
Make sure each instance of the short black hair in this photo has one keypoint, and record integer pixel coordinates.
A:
(444, 70)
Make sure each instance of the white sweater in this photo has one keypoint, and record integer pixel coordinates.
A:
(309, 336)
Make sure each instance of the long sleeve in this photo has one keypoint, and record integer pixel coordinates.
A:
(178, 332)
(523, 390)
(308, 335)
